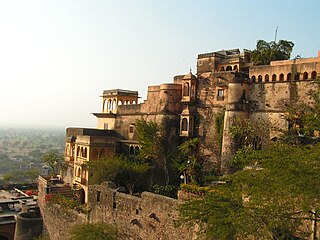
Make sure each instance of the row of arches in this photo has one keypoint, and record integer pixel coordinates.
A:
(229, 68)
(134, 150)
(82, 152)
(111, 104)
(282, 77)
(69, 150)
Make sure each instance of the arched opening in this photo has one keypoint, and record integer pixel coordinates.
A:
(229, 68)
(305, 75)
(82, 152)
(131, 150)
(222, 68)
(297, 76)
(186, 89)
(281, 77)
(104, 105)
(109, 107)
(78, 174)
(134, 102)
(136, 150)
(85, 152)
(82, 196)
(192, 90)
(114, 104)
(235, 67)
(289, 77)
(313, 75)
(266, 78)
(274, 77)
(78, 151)
(184, 126)
(259, 78)
(119, 102)
(253, 79)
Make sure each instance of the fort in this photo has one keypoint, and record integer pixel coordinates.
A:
(226, 85)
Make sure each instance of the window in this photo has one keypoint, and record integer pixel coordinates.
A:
(222, 69)
(186, 89)
(131, 129)
(297, 76)
(220, 95)
(259, 78)
(314, 75)
(229, 68)
(253, 78)
(266, 78)
(98, 196)
(305, 75)
(289, 77)
(184, 125)
(105, 126)
(281, 77)
(274, 77)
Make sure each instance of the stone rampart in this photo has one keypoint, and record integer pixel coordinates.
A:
(149, 216)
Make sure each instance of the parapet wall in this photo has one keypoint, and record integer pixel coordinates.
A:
(150, 216)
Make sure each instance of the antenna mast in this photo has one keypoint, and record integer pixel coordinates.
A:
(275, 35)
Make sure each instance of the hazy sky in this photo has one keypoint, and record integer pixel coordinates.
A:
(56, 57)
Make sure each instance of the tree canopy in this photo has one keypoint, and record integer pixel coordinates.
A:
(54, 160)
(274, 190)
(266, 52)
(122, 170)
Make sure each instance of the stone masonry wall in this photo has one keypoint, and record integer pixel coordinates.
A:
(149, 217)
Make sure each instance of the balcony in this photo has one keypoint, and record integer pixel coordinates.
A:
(80, 180)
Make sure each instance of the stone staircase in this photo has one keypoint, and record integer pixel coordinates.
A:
(62, 190)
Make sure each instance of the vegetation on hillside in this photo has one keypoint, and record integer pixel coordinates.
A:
(89, 231)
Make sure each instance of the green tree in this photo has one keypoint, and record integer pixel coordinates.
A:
(55, 161)
(189, 162)
(98, 231)
(156, 147)
(119, 169)
(273, 192)
(266, 52)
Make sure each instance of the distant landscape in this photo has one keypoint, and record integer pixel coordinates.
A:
(21, 150)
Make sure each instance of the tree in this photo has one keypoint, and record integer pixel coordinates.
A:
(156, 147)
(274, 191)
(119, 169)
(98, 231)
(266, 52)
(54, 160)
(189, 162)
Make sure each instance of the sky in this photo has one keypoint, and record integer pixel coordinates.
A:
(57, 57)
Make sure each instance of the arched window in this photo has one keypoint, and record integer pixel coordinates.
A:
(184, 126)
(229, 68)
(114, 104)
(78, 151)
(235, 67)
(289, 77)
(85, 152)
(253, 78)
(186, 89)
(104, 105)
(259, 78)
(313, 75)
(281, 77)
(274, 77)
(192, 90)
(82, 152)
(119, 102)
(78, 172)
(305, 75)
(297, 76)
(136, 150)
(266, 78)
(131, 150)
(222, 68)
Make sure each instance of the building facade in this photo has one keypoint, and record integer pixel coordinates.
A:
(205, 105)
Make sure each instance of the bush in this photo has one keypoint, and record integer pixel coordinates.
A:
(98, 231)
